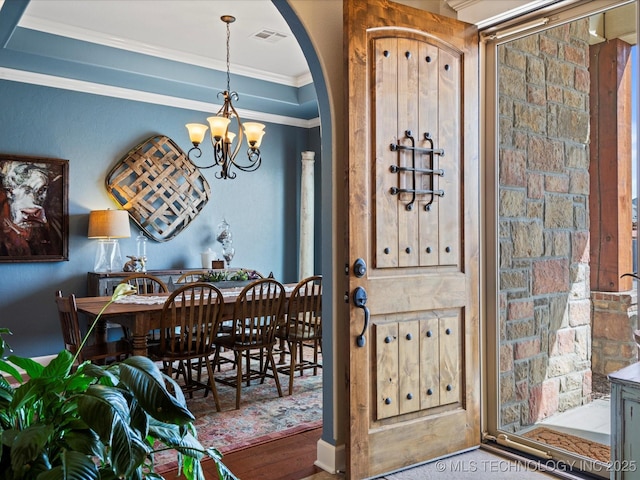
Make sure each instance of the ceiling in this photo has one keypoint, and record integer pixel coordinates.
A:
(173, 52)
(261, 44)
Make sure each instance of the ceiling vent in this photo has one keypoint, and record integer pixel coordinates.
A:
(270, 36)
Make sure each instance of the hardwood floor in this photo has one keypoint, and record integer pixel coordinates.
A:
(289, 458)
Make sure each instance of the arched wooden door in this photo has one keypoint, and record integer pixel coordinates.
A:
(413, 177)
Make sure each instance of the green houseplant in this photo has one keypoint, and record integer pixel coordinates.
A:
(229, 276)
(94, 422)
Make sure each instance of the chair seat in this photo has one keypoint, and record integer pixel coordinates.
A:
(156, 353)
(227, 341)
(304, 332)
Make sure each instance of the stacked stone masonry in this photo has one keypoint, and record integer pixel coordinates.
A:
(615, 318)
(544, 299)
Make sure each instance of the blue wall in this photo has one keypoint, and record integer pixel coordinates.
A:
(93, 133)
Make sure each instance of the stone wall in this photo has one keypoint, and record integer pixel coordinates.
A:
(615, 317)
(545, 306)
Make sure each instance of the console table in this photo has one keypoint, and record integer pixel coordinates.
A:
(102, 284)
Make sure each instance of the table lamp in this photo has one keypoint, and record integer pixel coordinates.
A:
(107, 226)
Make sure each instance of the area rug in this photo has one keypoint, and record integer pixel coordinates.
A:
(571, 443)
(262, 417)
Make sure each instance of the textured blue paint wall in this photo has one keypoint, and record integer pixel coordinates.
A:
(93, 132)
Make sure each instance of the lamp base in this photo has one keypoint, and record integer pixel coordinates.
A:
(108, 257)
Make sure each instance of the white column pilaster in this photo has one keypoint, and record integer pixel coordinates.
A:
(306, 260)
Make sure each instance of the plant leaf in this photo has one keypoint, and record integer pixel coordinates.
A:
(11, 370)
(28, 444)
(33, 368)
(26, 394)
(143, 378)
(139, 419)
(75, 466)
(106, 411)
(99, 372)
(6, 395)
(3, 344)
(78, 383)
(59, 367)
(84, 441)
(171, 436)
(100, 407)
(223, 472)
(128, 450)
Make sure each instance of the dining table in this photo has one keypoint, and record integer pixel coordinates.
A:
(141, 313)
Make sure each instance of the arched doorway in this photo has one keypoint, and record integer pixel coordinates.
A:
(329, 434)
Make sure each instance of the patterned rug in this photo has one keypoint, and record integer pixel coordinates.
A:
(571, 443)
(263, 416)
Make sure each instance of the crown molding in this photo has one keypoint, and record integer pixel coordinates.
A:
(458, 5)
(147, 97)
(484, 13)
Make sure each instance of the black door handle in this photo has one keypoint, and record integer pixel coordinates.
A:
(360, 300)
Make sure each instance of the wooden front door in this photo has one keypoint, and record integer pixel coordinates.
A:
(413, 169)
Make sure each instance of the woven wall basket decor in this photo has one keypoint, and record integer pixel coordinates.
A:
(162, 190)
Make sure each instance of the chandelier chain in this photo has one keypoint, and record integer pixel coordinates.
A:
(228, 61)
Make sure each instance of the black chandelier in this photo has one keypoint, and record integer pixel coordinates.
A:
(222, 140)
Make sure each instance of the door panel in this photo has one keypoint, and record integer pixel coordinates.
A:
(413, 217)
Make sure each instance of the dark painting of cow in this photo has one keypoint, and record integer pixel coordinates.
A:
(33, 209)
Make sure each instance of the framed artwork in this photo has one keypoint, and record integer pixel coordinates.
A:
(34, 209)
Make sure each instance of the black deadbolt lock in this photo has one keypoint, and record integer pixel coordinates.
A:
(359, 268)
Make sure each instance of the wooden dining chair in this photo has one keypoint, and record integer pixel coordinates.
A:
(257, 314)
(189, 324)
(193, 276)
(72, 335)
(146, 283)
(303, 327)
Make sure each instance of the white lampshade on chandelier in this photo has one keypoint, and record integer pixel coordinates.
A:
(107, 226)
(226, 144)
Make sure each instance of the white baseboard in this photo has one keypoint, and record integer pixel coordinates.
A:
(330, 458)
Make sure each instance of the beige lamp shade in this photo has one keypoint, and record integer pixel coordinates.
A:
(218, 126)
(196, 132)
(109, 224)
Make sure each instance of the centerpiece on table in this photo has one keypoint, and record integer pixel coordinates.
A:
(230, 278)
(94, 422)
